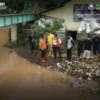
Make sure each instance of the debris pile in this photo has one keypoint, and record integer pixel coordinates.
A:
(89, 69)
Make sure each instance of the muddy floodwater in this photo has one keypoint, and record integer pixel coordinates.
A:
(22, 80)
(4, 35)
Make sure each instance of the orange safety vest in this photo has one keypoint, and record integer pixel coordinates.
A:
(56, 39)
(42, 44)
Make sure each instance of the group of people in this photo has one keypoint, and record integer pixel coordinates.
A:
(88, 47)
(49, 44)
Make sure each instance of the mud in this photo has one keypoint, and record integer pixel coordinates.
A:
(4, 34)
(22, 80)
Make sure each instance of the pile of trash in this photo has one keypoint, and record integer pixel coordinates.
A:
(89, 69)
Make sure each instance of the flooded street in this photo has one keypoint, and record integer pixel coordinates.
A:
(4, 33)
(22, 80)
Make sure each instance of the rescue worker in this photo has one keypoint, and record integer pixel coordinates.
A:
(50, 38)
(42, 46)
(56, 46)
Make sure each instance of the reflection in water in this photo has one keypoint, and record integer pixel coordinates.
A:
(21, 80)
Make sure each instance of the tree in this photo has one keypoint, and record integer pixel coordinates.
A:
(44, 26)
(13, 6)
(19, 6)
(57, 2)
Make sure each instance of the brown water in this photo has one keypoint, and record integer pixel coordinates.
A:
(21, 80)
(4, 35)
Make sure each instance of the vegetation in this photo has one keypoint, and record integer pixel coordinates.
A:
(23, 32)
(10, 44)
(22, 37)
(40, 29)
(16, 6)
(19, 6)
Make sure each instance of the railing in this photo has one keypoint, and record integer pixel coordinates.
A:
(10, 19)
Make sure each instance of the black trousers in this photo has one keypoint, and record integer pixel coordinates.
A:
(43, 53)
(69, 54)
(96, 49)
(55, 49)
(32, 47)
(80, 50)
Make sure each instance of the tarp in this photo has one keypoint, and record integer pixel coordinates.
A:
(89, 26)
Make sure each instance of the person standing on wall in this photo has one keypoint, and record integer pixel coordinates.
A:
(32, 42)
(70, 44)
(56, 46)
(50, 38)
(42, 46)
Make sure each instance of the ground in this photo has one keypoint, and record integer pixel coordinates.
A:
(84, 71)
(87, 69)
(34, 58)
(22, 80)
(92, 65)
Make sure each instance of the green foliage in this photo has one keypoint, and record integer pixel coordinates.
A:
(39, 30)
(11, 44)
(22, 37)
(57, 2)
(19, 6)
(56, 26)
(28, 10)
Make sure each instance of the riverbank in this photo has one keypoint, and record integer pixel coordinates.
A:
(87, 69)
(22, 80)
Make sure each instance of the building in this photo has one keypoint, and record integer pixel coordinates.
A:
(66, 12)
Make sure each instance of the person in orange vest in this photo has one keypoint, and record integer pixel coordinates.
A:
(56, 46)
(42, 46)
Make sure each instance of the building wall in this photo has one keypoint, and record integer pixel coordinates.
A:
(4, 35)
(66, 13)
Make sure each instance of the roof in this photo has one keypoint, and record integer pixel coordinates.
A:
(62, 4)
